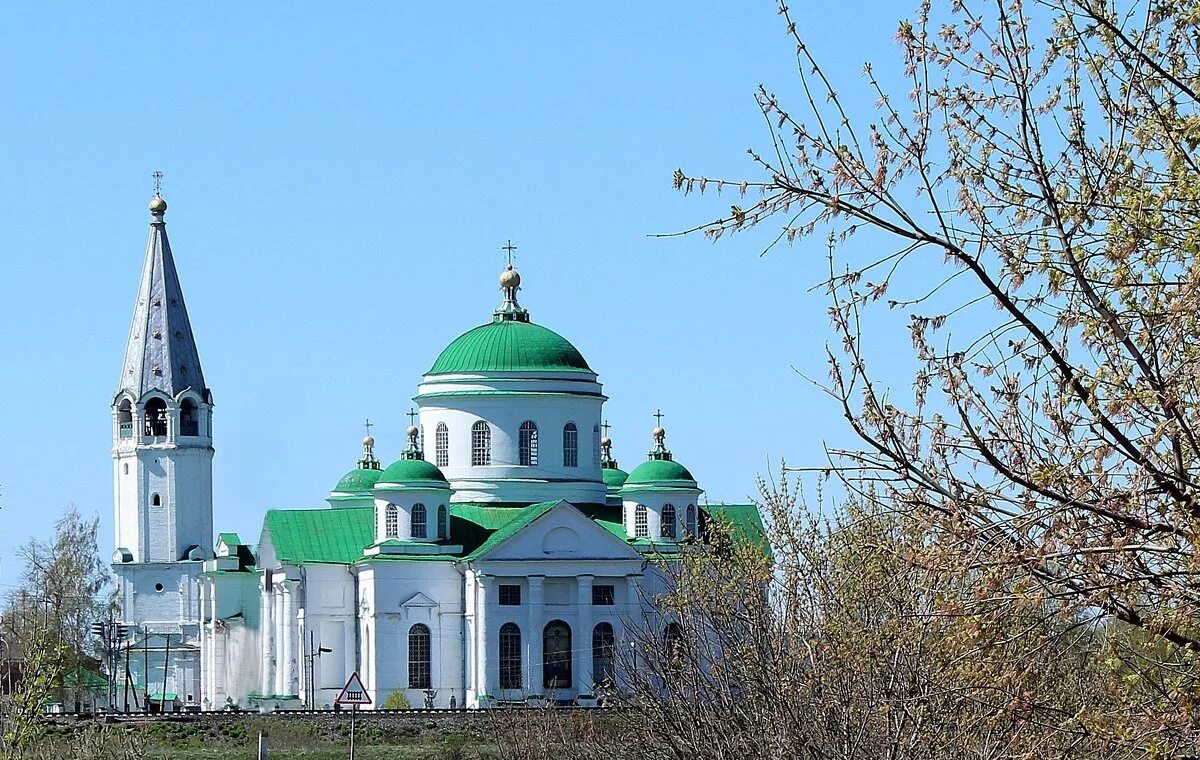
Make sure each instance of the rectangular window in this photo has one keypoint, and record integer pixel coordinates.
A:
(510, 595)
(603, 595)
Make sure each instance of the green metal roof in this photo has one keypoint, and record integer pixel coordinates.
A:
(509, 346)
(414, 471)
(320, 535)
(658, 471)
(614, 477)
(358, 480)
(514, 524)
(230, 539)
(744, 521)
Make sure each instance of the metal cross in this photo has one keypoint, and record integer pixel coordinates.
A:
(658, 415)
(157, 183)
(412, 415)
(368, 425)
(606, 427)
(508, 249)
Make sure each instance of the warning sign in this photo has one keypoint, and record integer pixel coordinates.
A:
(354, 693)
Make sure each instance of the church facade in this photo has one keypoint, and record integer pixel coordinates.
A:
(502, 557)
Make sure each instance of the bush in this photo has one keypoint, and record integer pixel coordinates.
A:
(396, 701)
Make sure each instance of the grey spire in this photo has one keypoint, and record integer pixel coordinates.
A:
(161, 352)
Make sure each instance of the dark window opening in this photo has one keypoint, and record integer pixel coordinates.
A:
(420, 674)
(510, 595)
(556, 655)
(189, 418)
(156, 418)
(125, 419)
(604, 649)
(510, 656)
(603, 595)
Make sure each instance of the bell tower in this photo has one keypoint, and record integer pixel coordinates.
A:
(162, 422)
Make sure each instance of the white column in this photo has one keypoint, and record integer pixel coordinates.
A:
(205, 658)
(483, 664)
(581, 641)
(302, 656)
(280, 665)
(289, 638)
(633, 615)
(216, 670)
(267, 631)
(533, 634)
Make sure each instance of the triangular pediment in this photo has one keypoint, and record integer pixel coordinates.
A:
(557, 531)
(418, 600)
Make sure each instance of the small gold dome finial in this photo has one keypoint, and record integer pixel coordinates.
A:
(158, 206)
(606, 441)
(658, 432)
(413, 432)
(368, 441)
(510, 279)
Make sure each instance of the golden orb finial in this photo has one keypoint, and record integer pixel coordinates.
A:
(510, 279)
(158, 206)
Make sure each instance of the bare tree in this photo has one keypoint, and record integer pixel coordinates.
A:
(1042, 192)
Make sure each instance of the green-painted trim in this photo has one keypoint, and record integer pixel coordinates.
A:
(445, 394)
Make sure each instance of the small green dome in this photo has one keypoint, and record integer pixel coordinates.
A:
(660, 470)
(358, 481)
(509, 346)
(409, 470)
(614, 477)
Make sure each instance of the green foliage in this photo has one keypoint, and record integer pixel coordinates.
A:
(42, 668)
(396, 701)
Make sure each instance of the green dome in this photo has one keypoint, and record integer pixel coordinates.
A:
(659, 470)
(509, 346)
(614, 477)
(409, 470)
(358, 481)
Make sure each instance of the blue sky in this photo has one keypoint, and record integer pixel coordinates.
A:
(340, 182)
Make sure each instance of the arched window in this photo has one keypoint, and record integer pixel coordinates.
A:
(156, 500)
(125, 419)
(510, 656)
(418, 521)
(443, 522)
(189, 418)
(603, 652)
(391, 521)
(640, 527)
(570, 445)
(556, 655)
(666, 527)
(596, 445)
(691, 520)
(420, 675)
(442, 445)
(673, 642)
(481, 444)
(127, 468)
(156, 417)
(529, 443)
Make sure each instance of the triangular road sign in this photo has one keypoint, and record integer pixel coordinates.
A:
(354, 693)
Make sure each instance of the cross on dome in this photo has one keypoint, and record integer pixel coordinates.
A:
(510, 283)
(369, 461)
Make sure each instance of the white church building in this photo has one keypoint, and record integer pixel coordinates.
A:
(502, 557)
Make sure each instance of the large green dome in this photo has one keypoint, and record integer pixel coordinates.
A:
(413, 470)
(658, 471)
(359, 480)
(509, 346)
